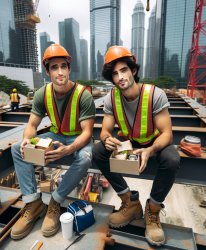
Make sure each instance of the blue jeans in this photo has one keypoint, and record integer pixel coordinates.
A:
(14, 106)
(79, 163)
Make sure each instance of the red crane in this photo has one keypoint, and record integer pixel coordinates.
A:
(197, 65)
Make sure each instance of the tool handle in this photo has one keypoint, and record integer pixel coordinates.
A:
(76, 240)
(39, 245)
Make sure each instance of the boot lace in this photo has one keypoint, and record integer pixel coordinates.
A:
(26, 211)
(154, 217)
(54, 208)
(124, 207)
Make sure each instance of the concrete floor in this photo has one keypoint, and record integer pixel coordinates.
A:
(181, 205)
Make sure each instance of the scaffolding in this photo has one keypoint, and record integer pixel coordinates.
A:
(25, 21)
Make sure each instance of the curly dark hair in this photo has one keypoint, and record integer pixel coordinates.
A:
(109, 68)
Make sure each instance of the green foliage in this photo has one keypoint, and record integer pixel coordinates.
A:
(6, 85)
(147, 80)
(90, 82)
(165, 82)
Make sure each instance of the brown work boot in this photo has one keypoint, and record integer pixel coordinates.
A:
(51, 221)
(154, 232)
(130, 209)
(30, 213)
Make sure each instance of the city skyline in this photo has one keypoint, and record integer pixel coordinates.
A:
(50, 14)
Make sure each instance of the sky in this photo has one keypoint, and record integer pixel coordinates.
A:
(52, 11)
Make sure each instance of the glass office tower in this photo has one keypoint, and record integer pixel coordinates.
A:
(69, 39)
(8, 47)
(150, 49)
(104, 32)
(177, 19)
(138, 28)
(44, 44)
(84, 59)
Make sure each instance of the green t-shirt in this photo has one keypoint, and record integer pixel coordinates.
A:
(87, 106)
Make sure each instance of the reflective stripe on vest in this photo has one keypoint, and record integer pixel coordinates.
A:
(14, 97)
(70, 122)
(143, 130)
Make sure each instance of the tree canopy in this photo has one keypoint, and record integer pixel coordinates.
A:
(165, 82)
(90, 82)
(6, 85)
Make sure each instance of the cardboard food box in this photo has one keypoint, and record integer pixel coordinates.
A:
(119, 162)
(36, 153)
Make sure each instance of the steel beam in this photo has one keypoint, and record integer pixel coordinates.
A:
(177, 120)
(172, 110)
(16, 116)
(178, 133)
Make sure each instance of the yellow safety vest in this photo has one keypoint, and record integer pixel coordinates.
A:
(143, 130)
(70, 123)
(14, 97)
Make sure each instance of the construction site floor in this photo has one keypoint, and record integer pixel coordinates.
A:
(93, 240)
(182, 213)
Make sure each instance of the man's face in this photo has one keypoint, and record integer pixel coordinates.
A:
(122, 76)
(58, 71)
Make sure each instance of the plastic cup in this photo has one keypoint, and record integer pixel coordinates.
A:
(66, 220)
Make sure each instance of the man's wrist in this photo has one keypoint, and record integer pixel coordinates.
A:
(105, 138)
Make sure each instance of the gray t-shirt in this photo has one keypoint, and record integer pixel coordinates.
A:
(160, 102)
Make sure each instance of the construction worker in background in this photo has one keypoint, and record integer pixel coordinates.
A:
(71, 109)
(15, 98)
(141, 112)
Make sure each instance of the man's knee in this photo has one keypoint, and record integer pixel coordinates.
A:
(99, 151)
(86, 155)
(171, 159)
(15, 148)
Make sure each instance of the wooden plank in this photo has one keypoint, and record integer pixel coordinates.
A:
(11, 123)
(8, 197)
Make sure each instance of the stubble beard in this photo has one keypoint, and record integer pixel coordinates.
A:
(129, 85)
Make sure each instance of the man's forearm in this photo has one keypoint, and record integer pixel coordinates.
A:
(161, 142)
(82, 140)
(29, 132)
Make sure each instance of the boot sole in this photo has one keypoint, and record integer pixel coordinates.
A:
(127, 222)
(20, 236)
(154, 243)
(52, 232)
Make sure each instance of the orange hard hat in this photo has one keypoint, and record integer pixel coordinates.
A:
(55, 50)
(116, 52)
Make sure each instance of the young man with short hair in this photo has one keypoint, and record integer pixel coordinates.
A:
(71, 109)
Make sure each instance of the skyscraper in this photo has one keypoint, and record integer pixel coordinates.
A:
(44, 43)
(7, 30)
(104, 31)
(138, 28)
(150, 48)
(84, 66)
(25, 22)
(69, 38)
(18, 34)
(175, 38)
